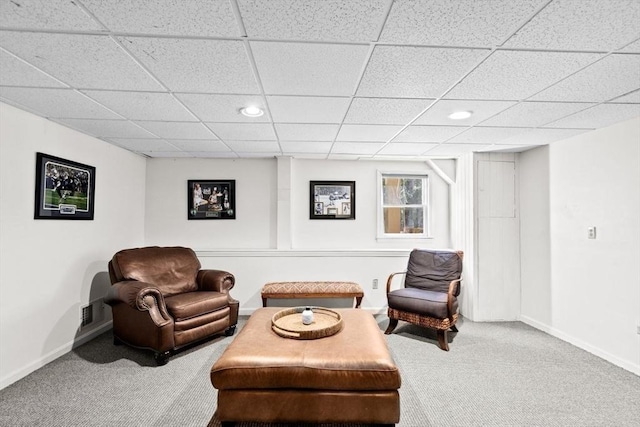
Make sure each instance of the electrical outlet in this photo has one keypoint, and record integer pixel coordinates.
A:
(638, 328)
(591, 232)
(375, 283)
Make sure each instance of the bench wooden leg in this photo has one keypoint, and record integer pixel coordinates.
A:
(358, 302)
(264, 302)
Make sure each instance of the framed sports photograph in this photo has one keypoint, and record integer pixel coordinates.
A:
(211, 199)
(332, 200)
(64, 189)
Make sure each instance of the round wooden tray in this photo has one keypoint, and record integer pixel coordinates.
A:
(288, 323)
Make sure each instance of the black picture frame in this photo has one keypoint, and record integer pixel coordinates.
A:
(64, 189)
(332, 200)
(211, 199)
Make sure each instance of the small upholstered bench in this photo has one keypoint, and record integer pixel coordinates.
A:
(312, 290)
(348, 377)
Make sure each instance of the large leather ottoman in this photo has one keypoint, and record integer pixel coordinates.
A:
(348, 377)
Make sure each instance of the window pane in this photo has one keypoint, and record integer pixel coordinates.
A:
(404, 220)
(401, 191)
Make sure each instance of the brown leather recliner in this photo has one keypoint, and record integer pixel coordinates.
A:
(162, 300)
(429, 295)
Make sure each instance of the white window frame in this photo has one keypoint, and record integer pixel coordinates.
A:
(426, 232)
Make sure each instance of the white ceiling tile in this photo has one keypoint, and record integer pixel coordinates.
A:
(190, 65)
(177, 130)
(516, 75)
(599, 116)
(305, 147)
(392, 111)
(507, 148)
(356, 147)
(428, 133)
(569, 25)
(142, 145)
(367, 132)
(312, 156)
(19, 73)
(211, 18)
(608, 78)
(468, 23)
(453, 149)
(260, 155)
(415, 72)
(166, 154)
(482, 110)
(45, 15)
(142, 105)
(336, 20)
(254, 146)
(223, 108)
(57, 103)
(308, 109)
(486, 135)
(312, 68)
(348, 156)
(632, 47)
(540, 136)
(533, 114)
(199, 145)
(213, 154)
(84, 61)
(243, 131)
(406, 148)
(633, 97)
(106, 128)
(306, 132)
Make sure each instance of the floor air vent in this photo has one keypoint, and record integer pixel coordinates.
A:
(86, 315)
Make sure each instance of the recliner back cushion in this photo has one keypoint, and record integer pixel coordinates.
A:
(433, 270)
(173, 270)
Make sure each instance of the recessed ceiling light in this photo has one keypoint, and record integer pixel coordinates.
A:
(460, 115)
(252, 111)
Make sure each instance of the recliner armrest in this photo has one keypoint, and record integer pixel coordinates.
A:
(390, 279)
(454, 291)
(215, 280)
(140, 296)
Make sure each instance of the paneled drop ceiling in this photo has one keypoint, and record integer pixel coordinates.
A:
(337, 79)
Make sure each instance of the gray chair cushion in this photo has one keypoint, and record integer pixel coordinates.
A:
(421, 302)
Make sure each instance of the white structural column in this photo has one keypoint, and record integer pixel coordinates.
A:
(283, 228)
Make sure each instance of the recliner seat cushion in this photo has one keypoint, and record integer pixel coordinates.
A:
(173, 270)
(433, 270)
(419, 301)
(192, 304)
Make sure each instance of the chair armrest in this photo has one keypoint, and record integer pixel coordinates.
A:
(140, 296)
(215, 280)
(454, 291)
(390, 279)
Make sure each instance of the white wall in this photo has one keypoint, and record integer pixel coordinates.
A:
(253, 246)
(463, 230)
(594, 289)
(535, 235)
(49, 269)
(166, 220)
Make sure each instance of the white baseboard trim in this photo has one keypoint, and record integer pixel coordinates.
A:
(53, 355)
(624, 364)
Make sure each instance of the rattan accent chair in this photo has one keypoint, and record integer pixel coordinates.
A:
(429, 294)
